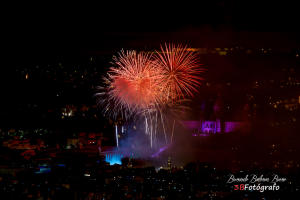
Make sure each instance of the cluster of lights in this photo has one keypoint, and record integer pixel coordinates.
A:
(23, 132)
(57, 71)
(288, 164)
(290, 83)
(284, 123)
(70, 111)
(290, 105)
(228, 51)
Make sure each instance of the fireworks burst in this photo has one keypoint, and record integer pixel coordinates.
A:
(149, 85)
(181, 70)
(133, 83)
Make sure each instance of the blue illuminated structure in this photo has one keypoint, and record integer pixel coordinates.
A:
(205, 128)
(113, 158)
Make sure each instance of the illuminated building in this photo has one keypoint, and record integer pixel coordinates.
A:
(113, 158)
(205, 128)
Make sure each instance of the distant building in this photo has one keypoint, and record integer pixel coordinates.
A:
(205, 128)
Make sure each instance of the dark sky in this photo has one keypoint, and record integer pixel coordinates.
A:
(39, 33)
(36, 34)
(64, 28)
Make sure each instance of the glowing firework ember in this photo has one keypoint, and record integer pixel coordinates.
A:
(146, 85)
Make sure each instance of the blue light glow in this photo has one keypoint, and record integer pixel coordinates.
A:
(113, 158)
(159, 151)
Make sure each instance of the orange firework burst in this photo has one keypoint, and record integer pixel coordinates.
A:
(135, 80)
(139, 82)
(181, 70)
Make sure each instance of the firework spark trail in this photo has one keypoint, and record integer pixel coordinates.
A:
(155, 129)
(172, 131)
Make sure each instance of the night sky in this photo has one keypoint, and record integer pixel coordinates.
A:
(52, 33)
